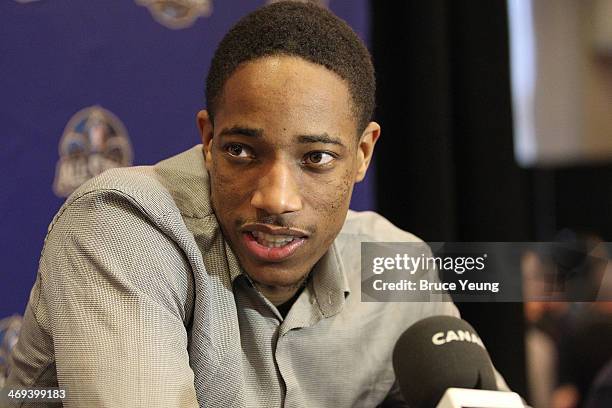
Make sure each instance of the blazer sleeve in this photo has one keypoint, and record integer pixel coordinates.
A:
(113, 297)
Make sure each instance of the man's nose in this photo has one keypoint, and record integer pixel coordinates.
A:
(277, 191)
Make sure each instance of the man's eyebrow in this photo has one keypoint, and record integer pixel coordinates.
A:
(241, 131)
(304, 139)
(322, 138)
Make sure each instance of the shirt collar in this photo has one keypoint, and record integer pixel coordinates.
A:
(186, 178)
(329, 280)
(235, 270)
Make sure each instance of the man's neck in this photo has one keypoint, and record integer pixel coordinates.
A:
(278, 295)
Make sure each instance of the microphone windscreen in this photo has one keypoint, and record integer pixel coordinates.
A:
(437, 353)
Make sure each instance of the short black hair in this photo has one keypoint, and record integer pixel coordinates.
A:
(303, 30)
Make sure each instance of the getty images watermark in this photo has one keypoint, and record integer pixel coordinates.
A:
(486, 271)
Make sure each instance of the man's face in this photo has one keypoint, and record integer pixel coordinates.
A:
(283, 157)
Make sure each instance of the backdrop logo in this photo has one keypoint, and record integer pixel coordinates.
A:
(177, 13)
(10, 328)
(94, 140)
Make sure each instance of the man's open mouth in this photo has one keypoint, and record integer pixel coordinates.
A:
(271, 240)
(272, 247)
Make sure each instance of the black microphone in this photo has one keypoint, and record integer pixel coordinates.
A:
(438, 353)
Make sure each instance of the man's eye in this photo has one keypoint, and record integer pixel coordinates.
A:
(319, 158)
(237, 150)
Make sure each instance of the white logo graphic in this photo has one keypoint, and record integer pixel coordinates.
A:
(441, 338)
(94, 140)
(177, 14)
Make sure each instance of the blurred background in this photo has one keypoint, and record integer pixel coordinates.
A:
(496, 118)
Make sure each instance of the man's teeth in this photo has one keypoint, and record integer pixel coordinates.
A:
(270, 240)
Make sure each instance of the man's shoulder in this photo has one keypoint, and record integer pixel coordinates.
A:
(371, 226)
(175, 185)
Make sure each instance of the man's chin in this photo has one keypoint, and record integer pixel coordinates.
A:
(272, 277)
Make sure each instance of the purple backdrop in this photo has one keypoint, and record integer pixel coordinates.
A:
(58, 57)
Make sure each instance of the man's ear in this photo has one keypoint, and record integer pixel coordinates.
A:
(206, 133)
(365, 149)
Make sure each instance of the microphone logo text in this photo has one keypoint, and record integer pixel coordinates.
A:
(441, 338)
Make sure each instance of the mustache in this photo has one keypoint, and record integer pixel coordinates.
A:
(274, 220)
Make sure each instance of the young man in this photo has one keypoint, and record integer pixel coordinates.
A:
(229, 275)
